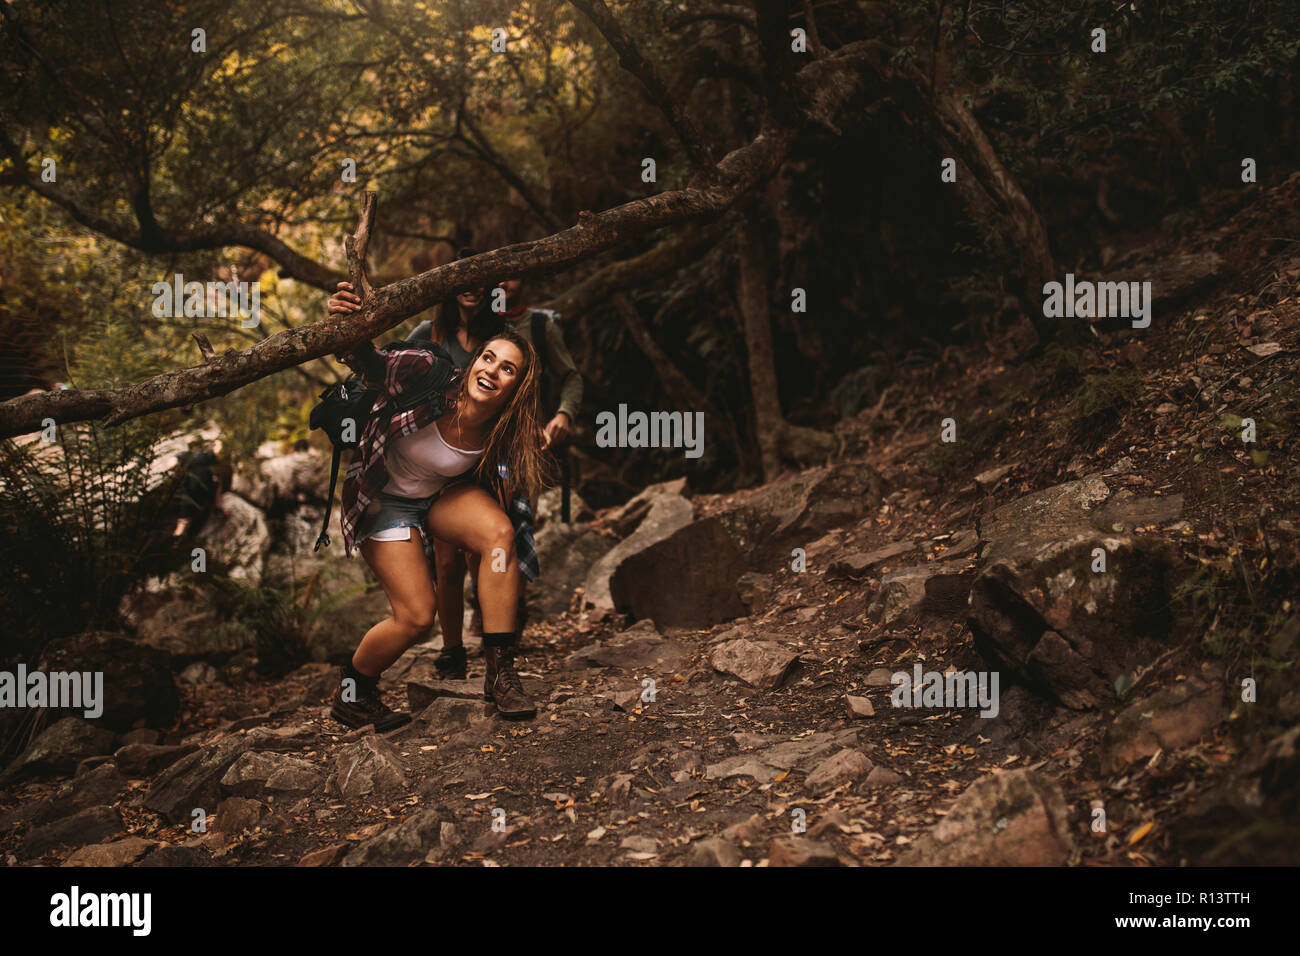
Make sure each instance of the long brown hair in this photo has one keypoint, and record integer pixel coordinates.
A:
(515, 440)
(482, 323)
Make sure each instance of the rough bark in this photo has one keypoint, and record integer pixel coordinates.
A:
(1027, 235)
(751, 294)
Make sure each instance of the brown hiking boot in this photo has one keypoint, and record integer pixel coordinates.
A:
(502, 686)
(366, 709)
(451, 663)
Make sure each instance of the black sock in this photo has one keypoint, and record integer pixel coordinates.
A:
(499, 638)
(365, 684)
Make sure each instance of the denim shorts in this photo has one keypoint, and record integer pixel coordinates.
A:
(390, 512)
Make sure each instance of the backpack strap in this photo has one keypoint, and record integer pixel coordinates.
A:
(324, 539)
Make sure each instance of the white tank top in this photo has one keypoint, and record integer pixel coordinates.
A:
(420, 463)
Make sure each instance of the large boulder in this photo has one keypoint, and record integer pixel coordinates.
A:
(258, 772)
(187, 627)
(91, 825)
(1040, 609)
(237, 540)
(566, 553)
(296, 478)
(408, 842)
(1012, 818)
(665, 510)
(194, 782)
(668, 581)
(369, 766)
(138, 684)
(1167, 720)
(60, 747)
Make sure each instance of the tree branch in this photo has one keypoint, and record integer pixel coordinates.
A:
(830, 82)
(630, 58)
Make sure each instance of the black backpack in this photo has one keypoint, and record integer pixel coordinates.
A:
(351, 401)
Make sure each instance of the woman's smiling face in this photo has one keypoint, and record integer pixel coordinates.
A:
(495, 374)
(471, 298)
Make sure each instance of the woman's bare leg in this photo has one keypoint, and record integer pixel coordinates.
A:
(403, 571)
(469, 518)
(450, 563)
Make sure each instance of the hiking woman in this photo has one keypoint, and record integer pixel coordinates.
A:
(445, 468)
(464, 321)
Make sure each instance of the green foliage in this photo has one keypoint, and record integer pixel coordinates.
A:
(86, 516)
(856, 390)
(975, 439)
(1101, 397)
(282, 611)
(1235, 609)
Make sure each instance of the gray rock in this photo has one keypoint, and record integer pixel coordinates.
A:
(766, 756)
(905, 595)
(239, 540)
(760, 664)
(858, 707)
(1125, 512)
(640, 649)
(102, 785)
(1167, 720)
(713, 851)
(844, 767)
(253, 772)
(800, 851)
(119, 853)
(97, 787)
(881, 777)
(60, 747)
(420, 693)
(371, 765)
(567, 553)
(193, 782)
(665, 581)
(1013, 818)
(189, 629)
(548, 509)
(145, 760)
(199, 674)
(138, 683)
(92, 825)
(1174, 278)
(860, 564)
(741, 766)
(1038, 609)
(406, 843)
(302, 476)
(667, 513)
(988, 480)
(237, 814)
(449, 714)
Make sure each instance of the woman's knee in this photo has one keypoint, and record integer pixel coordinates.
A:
(415, 618)
(496, 539)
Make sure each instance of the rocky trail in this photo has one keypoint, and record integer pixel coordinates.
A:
(715, 675)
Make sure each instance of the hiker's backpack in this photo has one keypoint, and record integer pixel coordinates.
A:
(349, 403)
